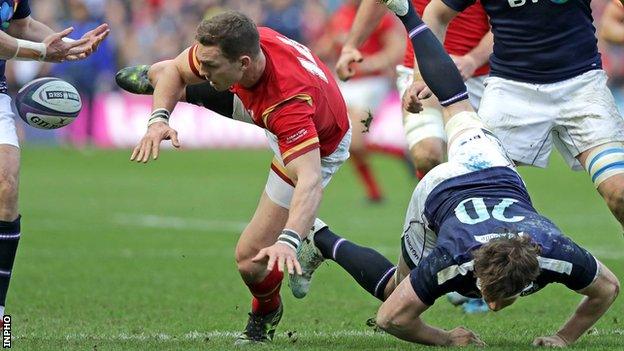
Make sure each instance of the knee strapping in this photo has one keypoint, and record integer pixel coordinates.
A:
(462, 121)
(426, 124)
(605, 161)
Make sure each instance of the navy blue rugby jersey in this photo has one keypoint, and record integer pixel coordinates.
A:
(539, 41)
(470, 210)
(10, 9)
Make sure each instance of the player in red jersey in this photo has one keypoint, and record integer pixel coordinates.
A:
(468, 41)
(365, 91)
(279, 85)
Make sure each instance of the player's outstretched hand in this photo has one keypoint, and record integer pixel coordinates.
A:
(550, 341)
(93, 39)
(58, 50)
(348, 56)
(279, 254)
(413, 95)
(150, 143)
(466, 65)
(461, 336)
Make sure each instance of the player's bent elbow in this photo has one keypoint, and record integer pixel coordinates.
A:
(614, 288)
(388, 321)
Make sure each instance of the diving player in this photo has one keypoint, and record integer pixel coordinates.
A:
(470, 228)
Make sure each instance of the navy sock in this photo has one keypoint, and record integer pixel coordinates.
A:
(368, 267)
(435, 65)
(9, 238)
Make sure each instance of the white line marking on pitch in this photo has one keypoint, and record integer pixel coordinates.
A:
(181, 223)
(196, 335)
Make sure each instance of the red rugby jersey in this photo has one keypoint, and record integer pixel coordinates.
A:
(463, 34)
(296, 98)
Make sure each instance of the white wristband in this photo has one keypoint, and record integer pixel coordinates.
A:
(159, 115)
(38, 48)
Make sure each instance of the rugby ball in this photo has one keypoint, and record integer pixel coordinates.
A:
(48, 103)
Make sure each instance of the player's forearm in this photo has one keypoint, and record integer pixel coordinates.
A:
(29, 29)
(481, 53)
(367, 19)
(417, 331)
(392, 52)
(599, 296)
(585, 316)
(304, 204)
(437, 18)
(168, 89)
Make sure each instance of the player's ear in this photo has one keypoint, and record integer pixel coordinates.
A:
(245, 62)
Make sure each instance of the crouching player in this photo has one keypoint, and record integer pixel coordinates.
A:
(471, 228)
(261, 77)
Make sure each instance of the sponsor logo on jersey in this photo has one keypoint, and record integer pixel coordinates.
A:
(518, 3)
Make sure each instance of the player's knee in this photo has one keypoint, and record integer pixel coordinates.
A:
(8, 186)
(428, 153)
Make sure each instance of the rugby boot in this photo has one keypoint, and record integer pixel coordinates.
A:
(260, 329)
(134, 80)
(397, 6)
(310, 258)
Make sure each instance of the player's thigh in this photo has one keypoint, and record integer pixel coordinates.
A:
(9, 160)
(262, 231)
(605, 166)
(522, 118)
(588, 117)
(475, 87)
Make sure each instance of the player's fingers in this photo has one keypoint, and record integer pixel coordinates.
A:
(65, 32)
(298, 267)
(147, 151)
(290, 265)
(139, 154)
(280, 263)
(259, 256)
(135, 152)
(425, 94)
(155, 150)
(271, 262)
(174, 139)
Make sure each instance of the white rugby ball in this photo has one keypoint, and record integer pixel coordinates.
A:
(48, 103)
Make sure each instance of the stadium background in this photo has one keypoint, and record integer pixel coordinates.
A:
(123, 256)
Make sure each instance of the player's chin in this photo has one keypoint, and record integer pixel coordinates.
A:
(220, 87)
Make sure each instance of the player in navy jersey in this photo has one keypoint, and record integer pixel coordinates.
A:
(547, 87)
(24, 38)
(470, 228)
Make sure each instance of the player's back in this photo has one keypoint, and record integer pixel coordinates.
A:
(292, 72)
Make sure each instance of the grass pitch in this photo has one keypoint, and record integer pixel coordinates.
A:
(122, 256)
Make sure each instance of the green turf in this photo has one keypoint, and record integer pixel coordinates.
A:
(121, 256)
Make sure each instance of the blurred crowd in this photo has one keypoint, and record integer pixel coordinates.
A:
(145, 31)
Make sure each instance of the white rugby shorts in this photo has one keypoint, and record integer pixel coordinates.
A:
(429, 125)
(8, 133)
(575, 115)
(280, 189)
(365, 93)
